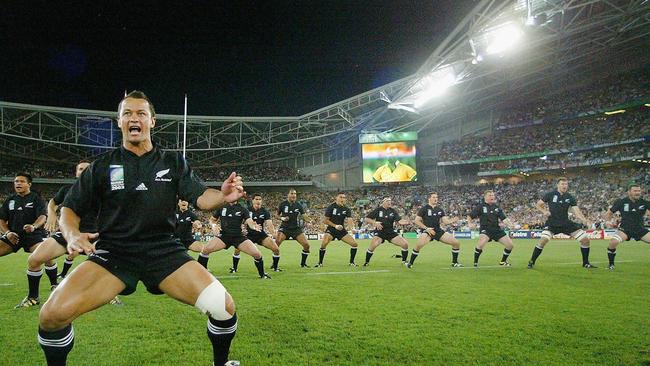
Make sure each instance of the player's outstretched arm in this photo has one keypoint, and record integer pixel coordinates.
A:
(50, 224)
(232, 189)
(578, 213)
(77, 241)
(541, 207)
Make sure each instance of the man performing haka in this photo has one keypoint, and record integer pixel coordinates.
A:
(383, 219)
(291, 212)
(134, 190)
(262, 217)
(232, 217)
(186, 222)
(22, 217)
(560, 202)
(489, 215)
(632, 209)
(428, 220)
(335, 216)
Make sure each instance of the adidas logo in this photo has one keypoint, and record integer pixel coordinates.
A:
(141, 187)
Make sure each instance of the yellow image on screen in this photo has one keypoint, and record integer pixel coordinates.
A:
(389, 162)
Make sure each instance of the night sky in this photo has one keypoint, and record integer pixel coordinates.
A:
(236, 58)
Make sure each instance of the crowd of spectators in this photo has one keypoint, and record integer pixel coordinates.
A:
(602, 94)
(562, 161)
(550, 136)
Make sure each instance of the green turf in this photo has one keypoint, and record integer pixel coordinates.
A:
(556, 314)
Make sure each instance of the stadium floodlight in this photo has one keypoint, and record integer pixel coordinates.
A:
(434, 85)
(503, 38)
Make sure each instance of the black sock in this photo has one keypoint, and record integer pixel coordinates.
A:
(321, 255)
(276, 261)
(405, 254)
(611, 254)
(506, 254)
(414, 255)
(303, 260)
(221, 333)
(353, 253)
(235, 261)
(33, 280)
(51, 274)
(585, 254)
(477, 253)
(454, 255)
(368, 255)
(536, 252)
(56, 345)
(203, 260)
(259, 264)
(67, 264)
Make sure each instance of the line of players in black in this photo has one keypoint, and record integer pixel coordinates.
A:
(25, 221)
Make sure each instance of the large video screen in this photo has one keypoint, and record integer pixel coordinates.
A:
(389, 157)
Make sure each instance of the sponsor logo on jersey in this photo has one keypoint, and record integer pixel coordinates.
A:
(160, 176)
(141, 187)
(29, 205)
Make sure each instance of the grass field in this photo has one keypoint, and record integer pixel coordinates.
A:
(385, 314)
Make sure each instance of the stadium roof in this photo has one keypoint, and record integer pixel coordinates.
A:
(563, 39)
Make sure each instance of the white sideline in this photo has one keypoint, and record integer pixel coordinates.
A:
(6, 284)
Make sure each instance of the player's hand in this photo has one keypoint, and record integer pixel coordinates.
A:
(29, 228)
(430, 231)
(284, 218)
(547, 213)
(13, 237)
(379, 226)
(233, 188)
(50, 225)
(257, 227)
(83, 243)
(339, 227)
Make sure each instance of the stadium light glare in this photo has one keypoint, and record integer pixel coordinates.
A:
(503, 38)
(618, 111)
(434, 85)
(647, 104)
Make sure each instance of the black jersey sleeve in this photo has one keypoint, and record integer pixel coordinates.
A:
(617, 206)
(245, 213)
(547, 197)
(502, 215)
(216, 214)
(373, 214)
(572, 201)
(476, 212)
(193, 216)
(329, 211)
(281, 208)
(422, 211)
(397, 216)
(301, 208)
(40, 207)
(348, 212)
(190, 187)
(59, 197)
(4, 210)
(83, 196)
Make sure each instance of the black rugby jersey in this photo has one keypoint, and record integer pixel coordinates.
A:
(88, 222)
(232, 217)
(260, 217)
(489, 215)
(558, 205)
(135, 198)
(293, 210)
(431, 216)
(386, 216)
(337, 214)
(19, 211)
(184, 221)
(632, 212)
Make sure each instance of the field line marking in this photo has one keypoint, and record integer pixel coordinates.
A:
(6, 284)
(344, 273)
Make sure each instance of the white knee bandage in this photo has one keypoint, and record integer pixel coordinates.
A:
(580, 234)
(212, 302)
(617, 238)
(546, 234)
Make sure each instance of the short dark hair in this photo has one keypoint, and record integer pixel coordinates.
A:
(340, 193)
(632, 185)
(136, 94)
(562, 179)
(292, 190)
(27, 176)
(257, 195)
(432, 193)
(487, 192)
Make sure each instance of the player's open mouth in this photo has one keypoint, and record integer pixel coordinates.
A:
(134, 130)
